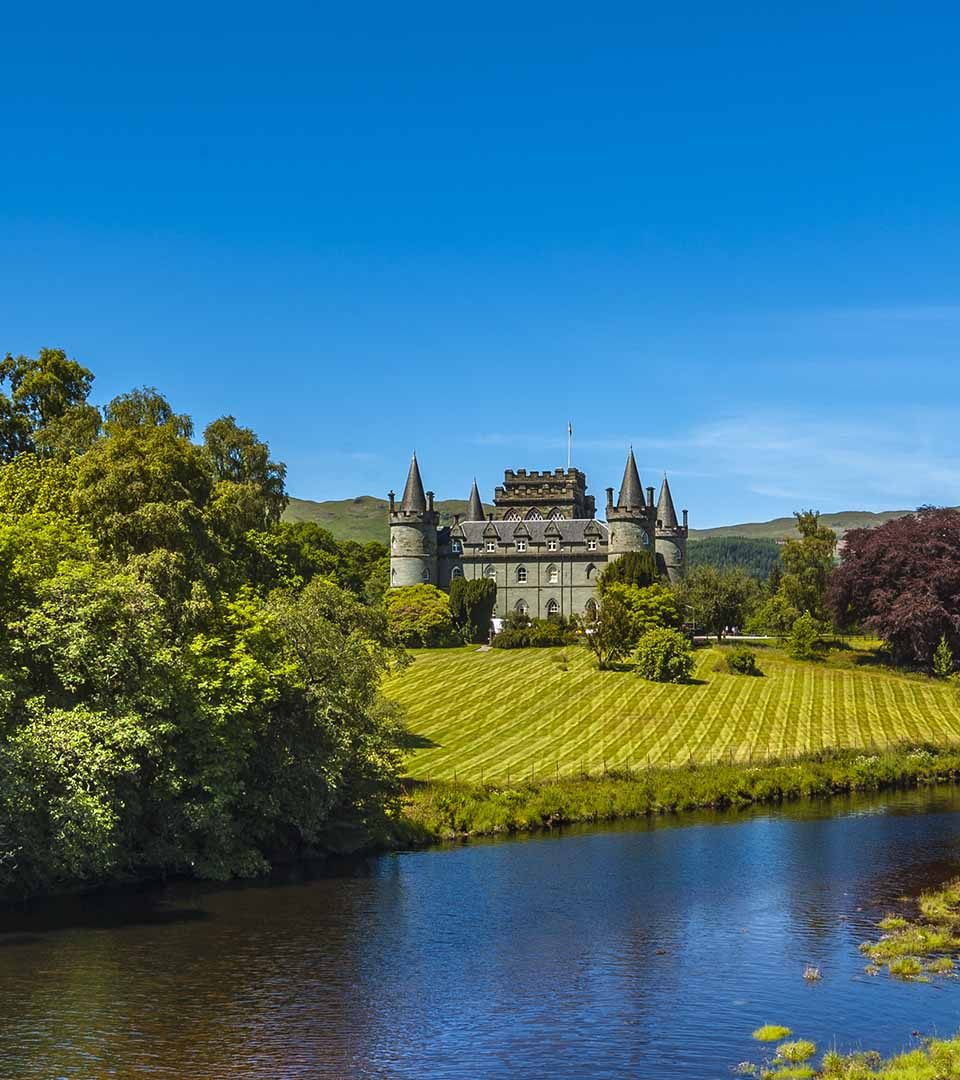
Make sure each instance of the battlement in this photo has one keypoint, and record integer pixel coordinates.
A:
(536, 475)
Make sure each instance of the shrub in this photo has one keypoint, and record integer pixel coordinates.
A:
(419, 615)
(472, 601)
(772, 1033)
(804, 638)
(663, 656)
(536, 633)
(943, 659)
(739, 661)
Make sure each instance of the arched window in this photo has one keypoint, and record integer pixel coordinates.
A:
(645, 540)
(393, 541)
(512, 515)
(534, 515)
(591, 572)
(457, 572)
(490, 572)
(425, 573)
(556, 515)
(553, 574)
(591, 609)
(521, 607)
(679, 555)
(521, 574)
(393, 575)
(553, 609)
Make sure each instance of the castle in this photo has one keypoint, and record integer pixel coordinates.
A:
(543, 545)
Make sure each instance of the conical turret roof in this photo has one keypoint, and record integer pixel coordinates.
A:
(414, 500)
(631, 491)
(666, 514)
(475, 506)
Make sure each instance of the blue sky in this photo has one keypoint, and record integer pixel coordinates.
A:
(730, 238)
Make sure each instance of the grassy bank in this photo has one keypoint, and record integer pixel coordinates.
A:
(501, 715)
(934, 1059)
(446, 810)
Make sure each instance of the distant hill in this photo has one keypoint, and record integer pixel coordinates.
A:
(785, 527)
(365, 518)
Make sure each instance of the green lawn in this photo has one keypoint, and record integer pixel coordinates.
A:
(509, 713)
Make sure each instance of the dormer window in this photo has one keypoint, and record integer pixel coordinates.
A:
(491, 545)
(521, 545)
(455, 547)
(591, 544)
(553, 544)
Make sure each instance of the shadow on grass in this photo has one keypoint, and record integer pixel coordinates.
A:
(409, 740)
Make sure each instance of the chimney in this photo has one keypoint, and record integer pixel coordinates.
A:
(490, 516)
(649, 496)
(609, 498)
(456, 519)
(429, 502)
(392, 495)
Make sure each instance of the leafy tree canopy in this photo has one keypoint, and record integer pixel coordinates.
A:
(717, 599)
(638, 568)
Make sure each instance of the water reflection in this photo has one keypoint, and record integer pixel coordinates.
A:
(648, 949)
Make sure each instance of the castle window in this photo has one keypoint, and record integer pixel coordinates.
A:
(553, 609)
(456, 547)
(553, 543)
(490, 572)
(679, 555)
(556, 515)
(521, 545)
(512, 515)
(553, 574)
(521, 607)
(645, 540)
(425, 574)
(534, 515)
(591, 544)
(591, 571)
(393, 541)
(591, 609)
(521, 574)
(457, 572)
(393, 576)
(491, 545)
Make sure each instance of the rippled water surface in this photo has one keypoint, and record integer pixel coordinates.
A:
(650, 950)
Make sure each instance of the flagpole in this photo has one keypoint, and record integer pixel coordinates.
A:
(569, 444)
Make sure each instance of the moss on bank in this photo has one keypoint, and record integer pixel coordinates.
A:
(916, 949)
(935, 1059)
(446, 810)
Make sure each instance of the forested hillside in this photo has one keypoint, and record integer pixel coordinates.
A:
(188, 686)
(757, 557)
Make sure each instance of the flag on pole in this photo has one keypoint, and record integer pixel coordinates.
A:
(569, 443)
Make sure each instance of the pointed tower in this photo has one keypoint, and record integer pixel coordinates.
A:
(631, 521)
(474, 506)
(671, 535)
(413, 533)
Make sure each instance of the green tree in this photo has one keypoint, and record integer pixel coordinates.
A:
(653, 607)
(250, 487)
(608, 631)
(637, 568)
(943, 659)
(663, 655)
(46, 408)
(419, 616)
(718, 599)
(471, 605)
(804, 638)
(807, 565)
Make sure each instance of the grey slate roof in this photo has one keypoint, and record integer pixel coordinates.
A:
(666, 513)
(475, 506)
(414, 500)
(574, 531)
(631, 490)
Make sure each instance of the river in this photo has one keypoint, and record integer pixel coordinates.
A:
(648, 950)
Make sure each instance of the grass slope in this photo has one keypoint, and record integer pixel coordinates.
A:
(514, 713)
(365, 518)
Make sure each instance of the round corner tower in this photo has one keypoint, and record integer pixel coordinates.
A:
(413, 534)
(671, 536)
(630, 522)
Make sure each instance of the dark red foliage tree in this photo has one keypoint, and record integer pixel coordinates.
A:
(902, 581)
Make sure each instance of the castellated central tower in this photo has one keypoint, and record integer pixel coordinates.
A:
(631, 521)
(413, 533)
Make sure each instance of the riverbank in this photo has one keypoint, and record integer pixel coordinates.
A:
(446, 810)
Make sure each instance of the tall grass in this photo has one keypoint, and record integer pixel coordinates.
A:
(445, 810)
